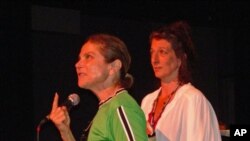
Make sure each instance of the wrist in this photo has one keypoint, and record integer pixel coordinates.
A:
(67, 135)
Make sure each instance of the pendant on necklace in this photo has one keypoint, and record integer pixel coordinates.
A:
(150, 130)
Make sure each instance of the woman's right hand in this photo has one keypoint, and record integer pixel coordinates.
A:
(60, 116)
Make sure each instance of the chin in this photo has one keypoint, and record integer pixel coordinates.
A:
(158, 76)
(81, 85)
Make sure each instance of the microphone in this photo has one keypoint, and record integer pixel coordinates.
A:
(72, 100)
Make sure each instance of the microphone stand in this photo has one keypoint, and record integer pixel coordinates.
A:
(38, 128)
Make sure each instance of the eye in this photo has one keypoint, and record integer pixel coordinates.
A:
(163, 51)
(151, 52)
(87, 56)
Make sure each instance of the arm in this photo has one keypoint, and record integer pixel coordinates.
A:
(199, 120)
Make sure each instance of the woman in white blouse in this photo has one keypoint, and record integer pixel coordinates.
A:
(177, 111)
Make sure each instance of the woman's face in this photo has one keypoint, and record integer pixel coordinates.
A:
(164, 61)
(91, 68)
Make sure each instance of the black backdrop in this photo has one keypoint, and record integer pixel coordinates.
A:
(40, 44)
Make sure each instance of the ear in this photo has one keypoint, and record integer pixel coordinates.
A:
(184, 57)
(115, 66)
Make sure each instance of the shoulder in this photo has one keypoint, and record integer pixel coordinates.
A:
(190, 96)
(150, 97)
(125, 101)
(190, 92)
(152, 94)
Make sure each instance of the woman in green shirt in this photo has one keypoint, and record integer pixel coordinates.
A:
(102, 68)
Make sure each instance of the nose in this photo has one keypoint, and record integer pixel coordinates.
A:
(154, 58)
(78, 64)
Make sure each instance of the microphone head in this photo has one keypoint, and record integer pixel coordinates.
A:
(74, 98)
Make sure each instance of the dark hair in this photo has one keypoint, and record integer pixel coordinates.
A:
(113, 48)
(179, 35)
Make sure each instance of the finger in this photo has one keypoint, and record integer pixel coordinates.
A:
(57, 114)
(65, 111)
(55, 102)
(66, 114)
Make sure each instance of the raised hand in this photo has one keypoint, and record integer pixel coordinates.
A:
(60, 117)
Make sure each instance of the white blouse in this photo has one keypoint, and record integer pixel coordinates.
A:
(188, 117)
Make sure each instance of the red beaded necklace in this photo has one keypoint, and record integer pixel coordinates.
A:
(151, 115)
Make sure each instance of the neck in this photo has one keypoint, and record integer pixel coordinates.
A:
(168, 88)
(105, 94)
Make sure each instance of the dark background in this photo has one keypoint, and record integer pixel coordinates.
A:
(40, 42)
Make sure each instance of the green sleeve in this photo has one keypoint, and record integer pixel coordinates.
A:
(128, 124)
